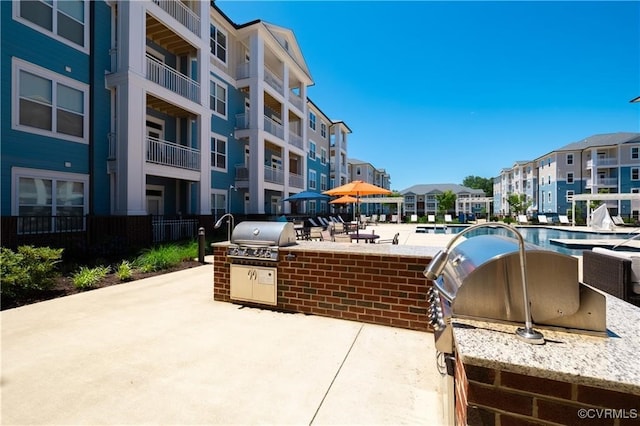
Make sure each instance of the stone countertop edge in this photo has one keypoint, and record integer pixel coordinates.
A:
(609, 362)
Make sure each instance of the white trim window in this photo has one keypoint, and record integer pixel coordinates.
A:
(323, 129)
(218, 202)
(313, 179)
(218, 43)
(219, 153)
(323, 182)
(49, 104)
(312, 150)
(56, 201)
(635, 153)
(635, 173)
(65, 21)
(218, 98)
(323, 156)
(569, 177)
(569, 159)
(312, 121)
(569, 196)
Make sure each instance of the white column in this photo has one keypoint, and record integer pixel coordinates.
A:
(203, 121)
(256, 118)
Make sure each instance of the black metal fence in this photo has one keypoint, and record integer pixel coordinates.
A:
(91, 236)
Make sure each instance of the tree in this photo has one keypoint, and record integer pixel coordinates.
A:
(446, 200)
(477, 182)
(518, 203)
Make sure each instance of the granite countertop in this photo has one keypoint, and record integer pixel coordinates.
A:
(361, 248)
(607, 362)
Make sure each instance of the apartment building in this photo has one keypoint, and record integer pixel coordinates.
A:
(367, 172)
(164, 108)
(519, 179)
(422, 199)
(604, 163)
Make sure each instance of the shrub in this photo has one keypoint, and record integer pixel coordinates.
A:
(124, 271)
(31, 268)
(508, 220)
(167, 256)
(87, 278)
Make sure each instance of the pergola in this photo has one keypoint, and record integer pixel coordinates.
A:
(385, 200)
(466, 202)
(598, 197)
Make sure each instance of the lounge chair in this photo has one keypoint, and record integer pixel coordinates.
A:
(393, 240)
(522, 219)
(394, 218)
(619, 221)
(414, 218)
(448, 218)
(614, 272)
(542, 219)
(431, 218)
(383, 218)
(374, 218)
(564, 220)
(323, 221)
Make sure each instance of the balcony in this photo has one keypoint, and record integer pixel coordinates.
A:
(242, 71)
(296, 101)
(242, 173)
(171, 79)
(242, 121)
(273, 175)
(273, 127)
(295, 140)
(296, 180)
(603, 162)
(603, 182)
(181, 13)
(172, 154)
(272, 80)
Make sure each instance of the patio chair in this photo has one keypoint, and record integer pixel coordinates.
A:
(383, 218)
(315, 233)
(323, 221)
(522, 219)
(542, 219)
(315, 224)
(448, 218)
(614, 272)
(431, 218)
(393, 240)
(619, 221)
(342, 238)
(394, 218)
(374, 218)
(414, 218)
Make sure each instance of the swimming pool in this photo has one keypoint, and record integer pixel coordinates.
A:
(533, 235)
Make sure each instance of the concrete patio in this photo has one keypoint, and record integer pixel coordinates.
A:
(161, 351)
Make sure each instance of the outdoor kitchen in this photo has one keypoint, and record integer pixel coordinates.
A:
(517, 336)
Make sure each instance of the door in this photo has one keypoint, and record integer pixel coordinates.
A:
(155, 200)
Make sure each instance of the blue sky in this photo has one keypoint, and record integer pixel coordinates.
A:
(437, 91)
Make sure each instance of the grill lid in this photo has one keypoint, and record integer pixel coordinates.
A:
(483, 279)
(264, 233)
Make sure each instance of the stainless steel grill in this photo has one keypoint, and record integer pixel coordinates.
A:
(482, 280)
(255, 240)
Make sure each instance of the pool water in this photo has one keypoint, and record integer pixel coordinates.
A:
(534, 235)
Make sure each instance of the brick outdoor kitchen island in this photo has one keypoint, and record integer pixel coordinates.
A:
(498, 378)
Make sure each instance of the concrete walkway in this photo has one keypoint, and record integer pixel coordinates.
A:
(161, 351)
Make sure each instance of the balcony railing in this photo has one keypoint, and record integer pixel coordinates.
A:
(272, 80)
(181, 13)
(296, 101)
(172, 154)
(296, 181)
(602, 182)
(273, 175)
(295, 140)
(242, 172)
(271, 126)
(242, 121)
(242, 70)
(170, 79)
(603, 162)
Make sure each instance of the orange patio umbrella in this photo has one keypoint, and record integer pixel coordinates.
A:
(345, 199)
(358, 188)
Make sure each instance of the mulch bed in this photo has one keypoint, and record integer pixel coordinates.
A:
(64, 286)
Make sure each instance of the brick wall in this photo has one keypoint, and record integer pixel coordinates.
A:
(493, 397)
(373, 288)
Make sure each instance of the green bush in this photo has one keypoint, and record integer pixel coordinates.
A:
(508, 220)
(167, 256)
(31, 268)
(87, 278)
(124, 271)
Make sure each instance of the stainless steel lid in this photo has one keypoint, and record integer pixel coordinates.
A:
(264, 233)
(483, 278)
